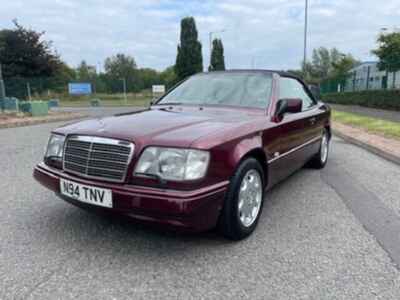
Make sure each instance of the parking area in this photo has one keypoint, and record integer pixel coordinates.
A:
(330, 234)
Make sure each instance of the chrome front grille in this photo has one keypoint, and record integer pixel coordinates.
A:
(96, 157)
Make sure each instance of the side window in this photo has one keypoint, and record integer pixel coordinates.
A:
(291, 88)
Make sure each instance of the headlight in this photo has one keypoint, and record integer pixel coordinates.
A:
(55, 147)
(173, 163)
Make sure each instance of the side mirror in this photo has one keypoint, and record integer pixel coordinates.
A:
(288, 106)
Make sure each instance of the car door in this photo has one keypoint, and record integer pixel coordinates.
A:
(297, 131)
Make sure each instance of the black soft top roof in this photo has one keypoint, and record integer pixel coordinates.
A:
(280, 73)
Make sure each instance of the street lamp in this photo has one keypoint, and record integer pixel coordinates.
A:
(210, 35)
(305, 36)
(2, 89)
(124, 88)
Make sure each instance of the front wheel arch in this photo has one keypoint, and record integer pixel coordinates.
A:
(328, 129)
(228, 222)
(259, 155)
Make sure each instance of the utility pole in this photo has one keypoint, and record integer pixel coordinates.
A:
(124, 87)
(305, 37)
(28, 88)
(2, 90)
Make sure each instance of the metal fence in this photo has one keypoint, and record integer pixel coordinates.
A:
(364, 77)
(50, 87)
(26, 88)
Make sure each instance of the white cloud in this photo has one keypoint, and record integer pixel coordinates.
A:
(269, 32)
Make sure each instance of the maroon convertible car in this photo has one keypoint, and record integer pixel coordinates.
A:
(201, 157)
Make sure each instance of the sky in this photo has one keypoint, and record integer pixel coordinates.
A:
(257, 33)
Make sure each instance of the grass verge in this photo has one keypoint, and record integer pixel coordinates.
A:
(104, 102)
(133, 99)
(372, 125)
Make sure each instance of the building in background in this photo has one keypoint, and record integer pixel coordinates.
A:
(367, 76)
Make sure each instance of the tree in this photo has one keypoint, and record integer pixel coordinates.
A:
(388, 53)
(322, 62)
(189, 58)
(168, 77)
(147, 77)
(59, 82)
(217, 61)
(343, 65)
(24, 53)
(328, 63)
(84, 72)
(118, 68)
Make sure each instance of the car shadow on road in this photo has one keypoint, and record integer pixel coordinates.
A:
(88, 232)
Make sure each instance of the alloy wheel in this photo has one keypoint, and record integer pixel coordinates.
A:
(250, 197)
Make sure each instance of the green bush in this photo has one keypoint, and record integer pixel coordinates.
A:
(384, 99)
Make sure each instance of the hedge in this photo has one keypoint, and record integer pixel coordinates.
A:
(384, 99)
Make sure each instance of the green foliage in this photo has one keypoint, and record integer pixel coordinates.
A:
(322, 60)
(168, 77)
(217, 62)
(84, 72)
(24, 53)
(342, 66)
(388, 51)
(384, 99)
(26, 57)
(121, 67)
(327, 63)
(189, 58)
(148, 77)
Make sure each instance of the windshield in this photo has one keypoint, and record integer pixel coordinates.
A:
(234, 89)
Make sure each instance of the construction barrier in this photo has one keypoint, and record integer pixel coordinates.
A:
(95, 102)
(53, 103)
(35, 108)
(9, 104)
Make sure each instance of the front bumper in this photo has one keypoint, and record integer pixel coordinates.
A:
(196, 210)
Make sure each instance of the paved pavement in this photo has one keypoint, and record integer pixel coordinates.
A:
(317, 238)
(388, 115)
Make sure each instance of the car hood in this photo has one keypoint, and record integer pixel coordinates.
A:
(179, 127)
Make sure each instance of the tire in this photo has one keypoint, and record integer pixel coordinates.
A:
(233, 223)
(321, 158)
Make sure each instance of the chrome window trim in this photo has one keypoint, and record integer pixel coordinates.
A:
(100, 140)
(295, 149)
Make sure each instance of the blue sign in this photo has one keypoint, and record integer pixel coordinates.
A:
(79, 88)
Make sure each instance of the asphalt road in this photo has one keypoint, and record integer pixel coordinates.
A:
(328, 234)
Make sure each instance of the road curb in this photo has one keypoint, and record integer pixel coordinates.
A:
(31, 122)
(369, 147)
